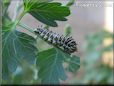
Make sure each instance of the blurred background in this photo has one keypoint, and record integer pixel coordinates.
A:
(91, 25)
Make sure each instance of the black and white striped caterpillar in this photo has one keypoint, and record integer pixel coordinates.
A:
(66, 43)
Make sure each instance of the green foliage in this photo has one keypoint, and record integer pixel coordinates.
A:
(71, 2)
(20, 49)
(47, 13)
(50, 65)
(24, 76)
(5, 5)
(94, 71)
(67, 30)
(16, 46)
(74, 64)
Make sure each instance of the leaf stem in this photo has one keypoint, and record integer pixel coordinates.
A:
(26, 27)
(18, 20)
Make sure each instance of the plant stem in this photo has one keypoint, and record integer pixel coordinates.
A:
(20, 17)
(26, 27)
(18, 20)
(16, 11)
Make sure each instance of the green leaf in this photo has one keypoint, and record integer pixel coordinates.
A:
(46, 12)
(73, 64)
(67, 30)
(94, 70)
(5, 4)
(16, 47)
(50, 66)
(25, 76)
(38, 1)
(51, 70)
(71, 2)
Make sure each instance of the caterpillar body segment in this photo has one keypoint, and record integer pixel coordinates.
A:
(66, 43)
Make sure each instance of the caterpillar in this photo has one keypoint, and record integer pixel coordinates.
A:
(67, 44)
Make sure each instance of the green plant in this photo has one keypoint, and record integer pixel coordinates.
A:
(24, 59)
(97, 69)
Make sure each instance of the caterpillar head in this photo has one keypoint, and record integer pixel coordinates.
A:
(71, 45)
